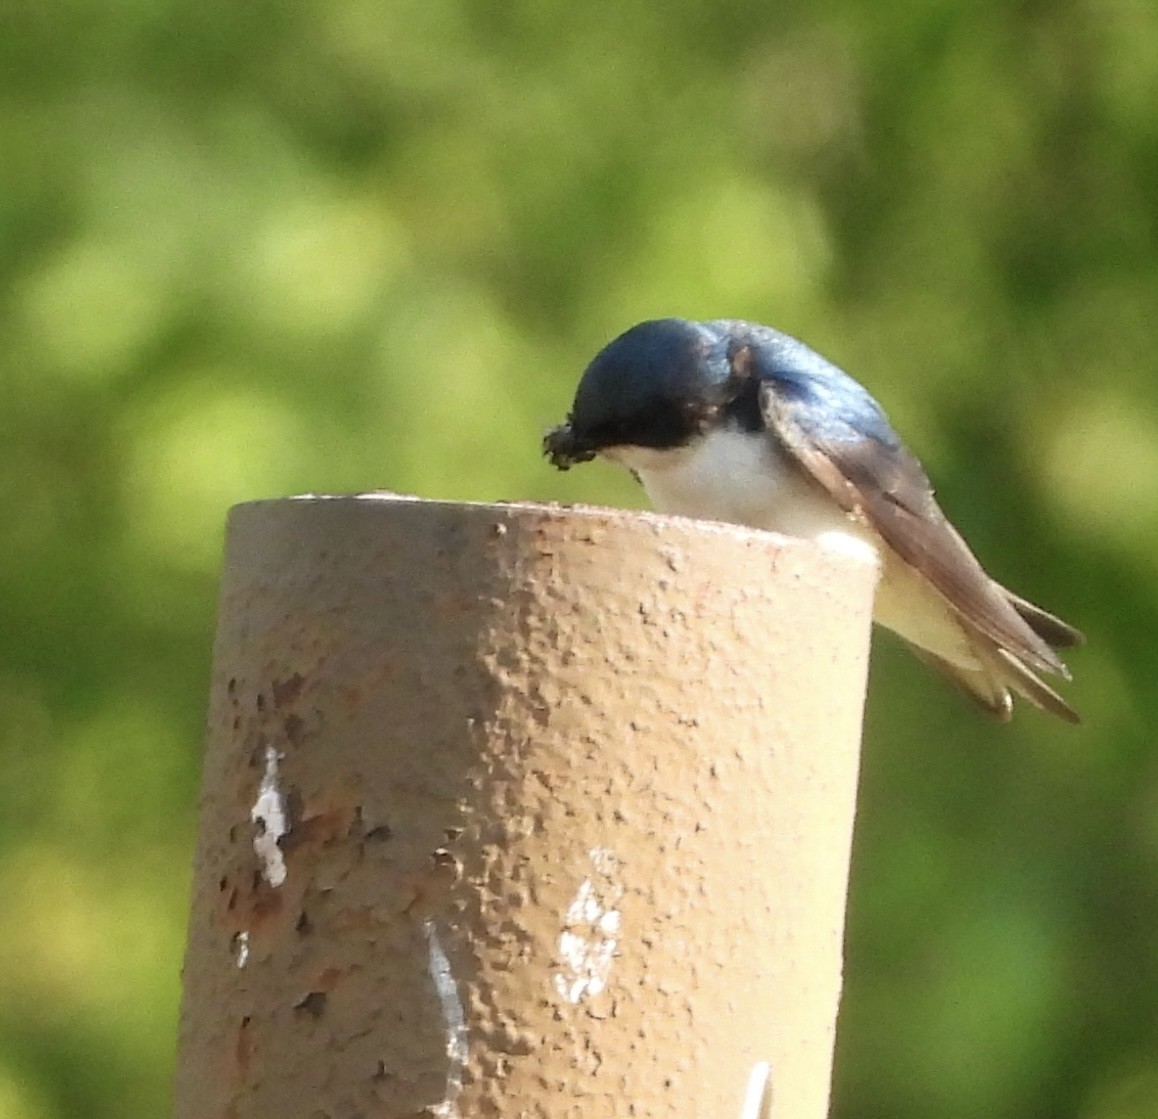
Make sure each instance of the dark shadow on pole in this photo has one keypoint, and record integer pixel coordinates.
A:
(520, 811)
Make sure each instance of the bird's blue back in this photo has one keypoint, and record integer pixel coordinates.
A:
(836, 407)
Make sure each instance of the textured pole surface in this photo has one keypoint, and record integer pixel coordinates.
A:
(519, 811)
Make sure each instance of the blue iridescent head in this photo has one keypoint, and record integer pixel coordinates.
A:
(657, 385)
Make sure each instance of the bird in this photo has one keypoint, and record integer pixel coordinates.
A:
(728, 420)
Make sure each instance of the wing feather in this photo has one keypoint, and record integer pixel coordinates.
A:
(885, 485)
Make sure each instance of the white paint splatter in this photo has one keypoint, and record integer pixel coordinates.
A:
(241, 948)
(758, 1098)
(591, 928)
(453, 1018)
(269, 821)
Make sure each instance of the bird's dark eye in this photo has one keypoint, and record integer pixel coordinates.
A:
(744, 408)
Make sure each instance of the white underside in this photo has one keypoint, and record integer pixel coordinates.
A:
(742, 478)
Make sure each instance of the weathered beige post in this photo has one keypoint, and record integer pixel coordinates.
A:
(516, 811)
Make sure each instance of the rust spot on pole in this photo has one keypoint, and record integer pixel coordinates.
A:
(520, 810)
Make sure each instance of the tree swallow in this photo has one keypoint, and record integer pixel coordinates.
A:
(732, 421)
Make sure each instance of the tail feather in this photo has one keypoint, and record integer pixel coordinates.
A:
(1026, 682)
(998, 675)
(1049, 627)
(993, 698)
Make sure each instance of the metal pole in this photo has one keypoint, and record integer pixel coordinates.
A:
(520, 811)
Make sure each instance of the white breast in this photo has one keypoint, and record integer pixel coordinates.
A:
(743, 478)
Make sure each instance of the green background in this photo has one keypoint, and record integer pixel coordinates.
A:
(250, 249)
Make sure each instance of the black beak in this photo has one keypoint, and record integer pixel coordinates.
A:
(565, 449)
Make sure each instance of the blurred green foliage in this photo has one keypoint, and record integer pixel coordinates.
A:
(253, 249)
